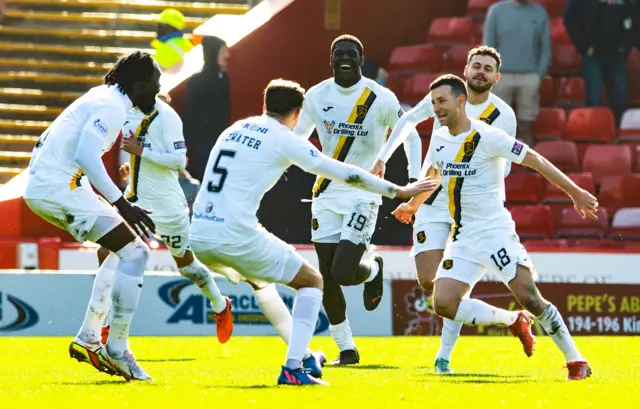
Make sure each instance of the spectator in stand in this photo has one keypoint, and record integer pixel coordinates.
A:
(170, 43)
(519, 30)
(603, 33)
(373, 71)
(207, 106)
(2, 5)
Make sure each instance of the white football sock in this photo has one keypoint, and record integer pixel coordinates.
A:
(127, 288)
(100, 301)
(201, 276)
(375, 269)
(276, 312)
(450, 334)
(476, 312)
(342, 335)
(552, 322)
(305, 316)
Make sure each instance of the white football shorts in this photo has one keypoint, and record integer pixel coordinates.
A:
(334, 220)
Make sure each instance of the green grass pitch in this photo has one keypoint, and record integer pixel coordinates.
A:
(197, 372)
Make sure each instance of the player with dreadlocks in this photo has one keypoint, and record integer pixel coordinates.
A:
(58, 191)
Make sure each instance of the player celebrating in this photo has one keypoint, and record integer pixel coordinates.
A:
(352, 115)
(433, 221)
(158, 153)
(469, 156)
(71, 148)
(246, 161)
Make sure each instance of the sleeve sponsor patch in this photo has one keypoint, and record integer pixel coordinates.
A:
(101, 127)
(179, 145)
(400, 113)
(517, 148)
(313, 152)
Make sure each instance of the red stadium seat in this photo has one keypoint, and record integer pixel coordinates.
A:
(533, 222)
(626, 224)
(455, 59)
(617, 192)
(451, 30)
(630, 126)
(570, 92)
(565, 60)
(425, 128)
(524, 188)
(563, 154)
(417, 87)
(547, 91)
(555, 195)
(395, 82)
(478, 8)
(555, 8)
(593, 124)
(478, 31)
(590, 244)
(425, 147)
(572, 225)
(415, 58)
(550, 124)
(607, 160)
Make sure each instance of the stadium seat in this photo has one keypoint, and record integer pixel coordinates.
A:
(626, 224)
(555, 8)
(417, 87)
(553, 194)
(570, 92)
(451, 30)
(478, 8)
(550, 124)
(607, 160)
(478, 31)
(524, 188)
(563, 154)
(415, 58)
(425, 128)
(572, 225)
(533, 222)
(547, 91)
(455, 59)
(425, 147)
(617, 192)
(565, 60)
(594, 124)
(395, 82)
(630, 126)
(590, 244)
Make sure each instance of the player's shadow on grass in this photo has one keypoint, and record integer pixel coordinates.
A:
(94, 383)
(478, 375)
(365, 367)
(452, 379)
(167, 360)
(240, 386)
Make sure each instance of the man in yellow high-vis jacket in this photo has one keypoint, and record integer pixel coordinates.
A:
(170, 43)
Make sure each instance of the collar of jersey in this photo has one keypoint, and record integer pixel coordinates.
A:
(127, 101)
(352, 88)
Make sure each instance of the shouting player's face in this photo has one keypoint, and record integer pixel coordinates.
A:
(446, 105)
(346, 61)
(145, 93)
(481, 73)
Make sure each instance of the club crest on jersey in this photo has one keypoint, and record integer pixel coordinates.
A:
(469, 148)
(329, 125)
(421, 236)
(447, 264)
(314, 224)
(361, 111)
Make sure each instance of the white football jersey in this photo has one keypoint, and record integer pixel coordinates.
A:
(102, 112)
(352, 125)
(471, 166)
(495, 112)
(246, 161)
(153, 181)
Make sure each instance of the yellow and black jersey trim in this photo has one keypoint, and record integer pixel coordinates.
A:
(465, 154)
(489, 116)
(358, 114)
(134, 161)
(76, 180)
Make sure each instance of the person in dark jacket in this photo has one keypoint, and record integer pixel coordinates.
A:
(603, 33)
(207, 106)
